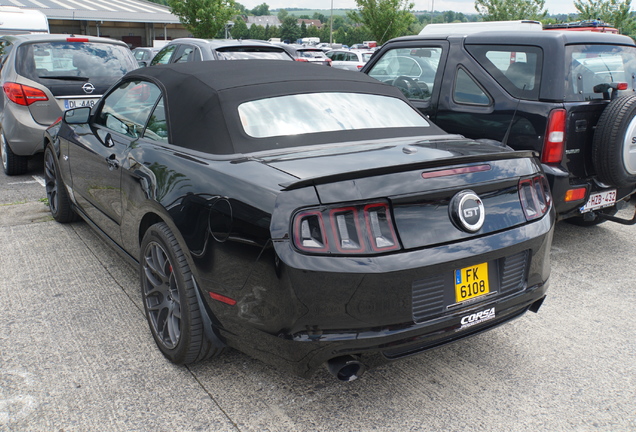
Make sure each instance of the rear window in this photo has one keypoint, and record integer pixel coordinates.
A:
(325, 112)
(251, 53)
(590, 65)
(59, 60)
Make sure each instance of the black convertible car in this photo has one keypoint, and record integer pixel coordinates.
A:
(302, 215)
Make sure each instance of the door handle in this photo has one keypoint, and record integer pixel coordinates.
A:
(112, 162)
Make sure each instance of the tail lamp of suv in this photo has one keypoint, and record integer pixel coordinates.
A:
(554, 142)
(23, 95)
(347, 230)
(534, 194)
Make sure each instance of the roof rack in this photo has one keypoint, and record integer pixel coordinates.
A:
(585, 25)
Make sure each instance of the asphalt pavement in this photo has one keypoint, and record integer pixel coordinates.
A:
(76, 353)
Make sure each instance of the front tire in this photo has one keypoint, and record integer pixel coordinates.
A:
(11, 162)
(170, 299)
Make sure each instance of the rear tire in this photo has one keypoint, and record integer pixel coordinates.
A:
(59, 202)
(12, 163)
(613, 140)
(170, 299)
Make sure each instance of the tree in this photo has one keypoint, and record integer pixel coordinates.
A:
(282, 14)
(204, 18)
(289, 29)
(610, 11)
(257, 32)
(240, 30)
(385, 19)
(505, 10)
(261, 10)
(303, 29)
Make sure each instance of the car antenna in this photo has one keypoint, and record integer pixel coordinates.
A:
(504, 141)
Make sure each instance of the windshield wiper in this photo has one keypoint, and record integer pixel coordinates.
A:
(66, 77)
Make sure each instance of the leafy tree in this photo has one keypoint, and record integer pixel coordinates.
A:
(614, 12)
(240, 9)
(322, 18)
(385, 19)
(504, 10)
(204, 18)
(261, 10)
(303, 30)
(257, 32)
(289, 29)
(240, 30)
(282, 14)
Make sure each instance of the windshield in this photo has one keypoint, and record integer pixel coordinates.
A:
(325, 112)
(590, 65)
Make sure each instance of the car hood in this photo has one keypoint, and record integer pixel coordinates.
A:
(381, 156)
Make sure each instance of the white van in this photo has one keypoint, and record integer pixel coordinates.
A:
(15, 20)
(475, 27)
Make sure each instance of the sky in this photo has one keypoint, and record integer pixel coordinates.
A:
(464, 6)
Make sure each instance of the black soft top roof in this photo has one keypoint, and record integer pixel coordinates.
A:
(203, 99)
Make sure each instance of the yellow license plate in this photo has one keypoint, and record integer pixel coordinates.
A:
(471, 282)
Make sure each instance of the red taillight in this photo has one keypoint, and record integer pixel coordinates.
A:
(359, 67)
(76, 39)
(621, 86)
(309, 232)
(302, 59)
(355, 229)
(23, 95)
(554, 141)
(534, 194)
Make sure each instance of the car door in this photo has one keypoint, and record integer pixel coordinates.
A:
(98, 157)
(414, 67)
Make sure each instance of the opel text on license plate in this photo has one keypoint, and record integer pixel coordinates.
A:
(599, 200)
(77, 103)
(471, 282)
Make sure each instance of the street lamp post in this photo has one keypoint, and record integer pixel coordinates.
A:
(331, 25)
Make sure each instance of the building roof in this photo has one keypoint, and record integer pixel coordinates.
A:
(99, 10)
(264, 20)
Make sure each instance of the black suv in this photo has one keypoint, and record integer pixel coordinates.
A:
(567, 95)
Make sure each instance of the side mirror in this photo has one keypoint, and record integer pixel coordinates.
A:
(142, 63)
(77, 115)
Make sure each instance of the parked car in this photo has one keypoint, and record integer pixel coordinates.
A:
(298, 235)
(569, 96)
(349, 59)
(144, 55)
(310, 54)
(42, 75)
(193, 49)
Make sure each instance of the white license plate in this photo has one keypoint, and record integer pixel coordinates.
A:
(77, 103)
(599, 200)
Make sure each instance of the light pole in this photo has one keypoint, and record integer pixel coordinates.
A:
(331, 25)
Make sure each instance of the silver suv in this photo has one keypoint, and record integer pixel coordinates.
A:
(43, 75)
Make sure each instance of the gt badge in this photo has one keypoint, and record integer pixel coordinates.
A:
(467, 211)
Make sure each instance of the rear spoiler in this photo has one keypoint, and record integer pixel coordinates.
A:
(459, 160)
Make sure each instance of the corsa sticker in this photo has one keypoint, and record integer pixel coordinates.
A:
(477, 318)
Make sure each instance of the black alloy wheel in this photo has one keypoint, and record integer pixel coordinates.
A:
(170, 299)
(56, 194)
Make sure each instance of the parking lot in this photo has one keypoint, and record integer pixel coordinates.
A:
(76, 353)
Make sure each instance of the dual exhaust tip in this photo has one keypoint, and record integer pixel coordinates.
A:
(346, 368)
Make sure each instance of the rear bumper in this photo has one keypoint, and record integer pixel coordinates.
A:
(315, 316)
(560, 183)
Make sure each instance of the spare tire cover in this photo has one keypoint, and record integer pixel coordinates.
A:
(614, 144)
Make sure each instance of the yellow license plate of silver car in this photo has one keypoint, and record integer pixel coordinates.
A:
(471, 282)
